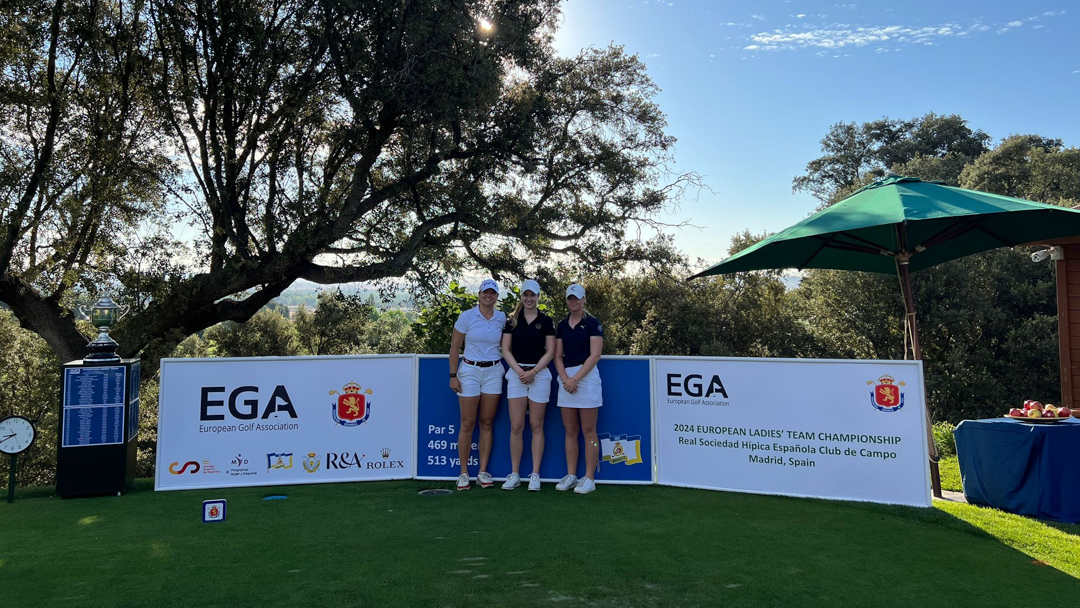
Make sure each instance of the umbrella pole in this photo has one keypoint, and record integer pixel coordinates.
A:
(913, 332)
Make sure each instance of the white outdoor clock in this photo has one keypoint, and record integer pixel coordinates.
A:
(16, 434)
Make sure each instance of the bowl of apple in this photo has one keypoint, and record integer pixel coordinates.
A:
(1035, 412)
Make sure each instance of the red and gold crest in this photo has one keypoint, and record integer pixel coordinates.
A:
(887, 395)
(353, 406)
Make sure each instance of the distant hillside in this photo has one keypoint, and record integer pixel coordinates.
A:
(306, 293)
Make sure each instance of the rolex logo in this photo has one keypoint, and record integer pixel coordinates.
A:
(386, 452)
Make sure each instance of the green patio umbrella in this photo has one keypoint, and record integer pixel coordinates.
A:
(898, 225)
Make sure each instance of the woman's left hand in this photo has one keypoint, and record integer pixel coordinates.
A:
(570, 384)
(527, 377)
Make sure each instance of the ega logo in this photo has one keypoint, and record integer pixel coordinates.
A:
(245, 409)
(692, 386)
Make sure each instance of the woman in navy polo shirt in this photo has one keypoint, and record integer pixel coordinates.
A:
(579, 341)
(478, 378)
(528, 345)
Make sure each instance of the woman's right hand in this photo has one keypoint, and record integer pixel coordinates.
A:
(455, 385)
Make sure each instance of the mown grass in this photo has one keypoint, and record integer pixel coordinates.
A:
(380, 544)
(1053, 543)
(949, 467)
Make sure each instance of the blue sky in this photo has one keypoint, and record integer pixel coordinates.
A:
(751, 87)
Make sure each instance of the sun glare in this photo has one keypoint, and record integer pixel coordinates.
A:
(485, 25)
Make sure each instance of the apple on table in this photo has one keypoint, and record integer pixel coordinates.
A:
(1016, 413)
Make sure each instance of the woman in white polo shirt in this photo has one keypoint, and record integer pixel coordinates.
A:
(579, 341)
(477, 377)
(528, 345)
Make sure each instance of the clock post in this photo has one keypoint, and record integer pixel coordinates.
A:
(17, 434)
(99, 415)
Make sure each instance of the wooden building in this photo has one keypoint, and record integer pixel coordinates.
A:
(1068, 310)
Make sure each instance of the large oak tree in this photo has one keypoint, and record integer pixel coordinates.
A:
(195, 157)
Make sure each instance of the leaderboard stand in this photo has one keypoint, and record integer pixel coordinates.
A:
(99, 423)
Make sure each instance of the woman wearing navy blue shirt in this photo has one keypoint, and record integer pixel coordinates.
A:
(528, 345)
(579, 341)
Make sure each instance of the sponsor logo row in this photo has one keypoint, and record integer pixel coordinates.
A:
(242, 466)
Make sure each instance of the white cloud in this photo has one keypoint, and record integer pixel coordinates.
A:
(758, 17)
(804, 35)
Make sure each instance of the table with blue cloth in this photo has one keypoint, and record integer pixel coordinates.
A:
(1025, 468)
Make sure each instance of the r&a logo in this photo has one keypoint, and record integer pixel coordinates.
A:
(343, 460)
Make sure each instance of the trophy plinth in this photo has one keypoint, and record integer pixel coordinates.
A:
(103, 314)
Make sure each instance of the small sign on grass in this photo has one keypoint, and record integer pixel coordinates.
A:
(213, 510)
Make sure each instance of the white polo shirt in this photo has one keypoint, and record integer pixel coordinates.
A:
(483, 337)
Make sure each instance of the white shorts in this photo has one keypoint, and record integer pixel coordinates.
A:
(476, 380)
(589, 392)
(538, 391)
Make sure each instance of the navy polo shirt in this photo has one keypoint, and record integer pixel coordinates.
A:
(528, 340)
(575, 341)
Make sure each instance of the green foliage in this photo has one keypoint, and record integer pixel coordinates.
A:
(337, 326)
(851, 315)
(987, 322)
(853, 153)
(987, 326)
(435, 324)
(391, 332)
(267, 334)
(336, 142)
(944, 438)
(30, 387)
(661, 313)
(949, 470)
(1028, 166)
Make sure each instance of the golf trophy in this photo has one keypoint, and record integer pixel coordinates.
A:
(99, 417)
(103, 314)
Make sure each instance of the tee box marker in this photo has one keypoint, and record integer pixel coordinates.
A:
(213, 510)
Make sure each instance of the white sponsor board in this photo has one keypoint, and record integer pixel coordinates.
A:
(288, 420)
(851, 430)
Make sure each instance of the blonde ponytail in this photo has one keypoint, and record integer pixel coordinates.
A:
(514, 315)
